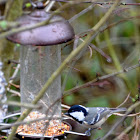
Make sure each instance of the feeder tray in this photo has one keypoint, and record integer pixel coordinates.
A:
(38, 129)
(25, 136)
(22, 136)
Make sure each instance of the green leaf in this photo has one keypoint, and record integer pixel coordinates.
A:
(28, 5)
(18, 45)
(3, 24)
(133, 99)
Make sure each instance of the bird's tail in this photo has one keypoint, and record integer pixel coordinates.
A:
(115, 110)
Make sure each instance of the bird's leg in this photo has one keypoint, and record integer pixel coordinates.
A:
(88, 131)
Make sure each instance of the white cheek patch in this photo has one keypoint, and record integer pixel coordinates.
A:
(78, 115)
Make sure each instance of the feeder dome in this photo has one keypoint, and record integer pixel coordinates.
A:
(58, 31)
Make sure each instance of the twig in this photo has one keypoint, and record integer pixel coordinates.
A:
(65, 106)
(49, 6)
(119, 40)
(130, 109)
(81, 13)
(108, 58)
(12, 115)
(74, 68)
(75, 133)
(130, 115)
(63, 65)
(101, 78)
(126, 131)
(32, 3)
(46, 3)
(8, 24)
(137, 129)
(99, 3)
(124, 101)
(13, 91)
(16, 86)
(83, 34)
(14, 74)
(75, 44)
(91, 52)
(120, 21)
(26, 105)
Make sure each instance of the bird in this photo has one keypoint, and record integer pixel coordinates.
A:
(91, 117)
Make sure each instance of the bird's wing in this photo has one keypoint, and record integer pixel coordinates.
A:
(95, 116)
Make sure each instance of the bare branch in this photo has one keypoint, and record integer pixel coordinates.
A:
(130, 115)
(130, 109)
(102, 78)
(127, 130)
(124, 101)
(98, 3)
(26, 105)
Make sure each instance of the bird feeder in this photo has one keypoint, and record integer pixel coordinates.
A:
(40, 56)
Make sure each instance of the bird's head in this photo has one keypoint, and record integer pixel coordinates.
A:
(77, 112)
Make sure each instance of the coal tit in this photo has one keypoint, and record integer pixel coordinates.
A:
(91, 117)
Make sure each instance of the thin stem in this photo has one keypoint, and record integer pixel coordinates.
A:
(99, 3)
(101, 78)
(130, 109)
(81, 13)
(117, 62)
(26, 105)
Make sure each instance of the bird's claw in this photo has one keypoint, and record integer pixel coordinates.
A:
(88, 133)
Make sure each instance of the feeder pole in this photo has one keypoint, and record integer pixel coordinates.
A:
(40, 56)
